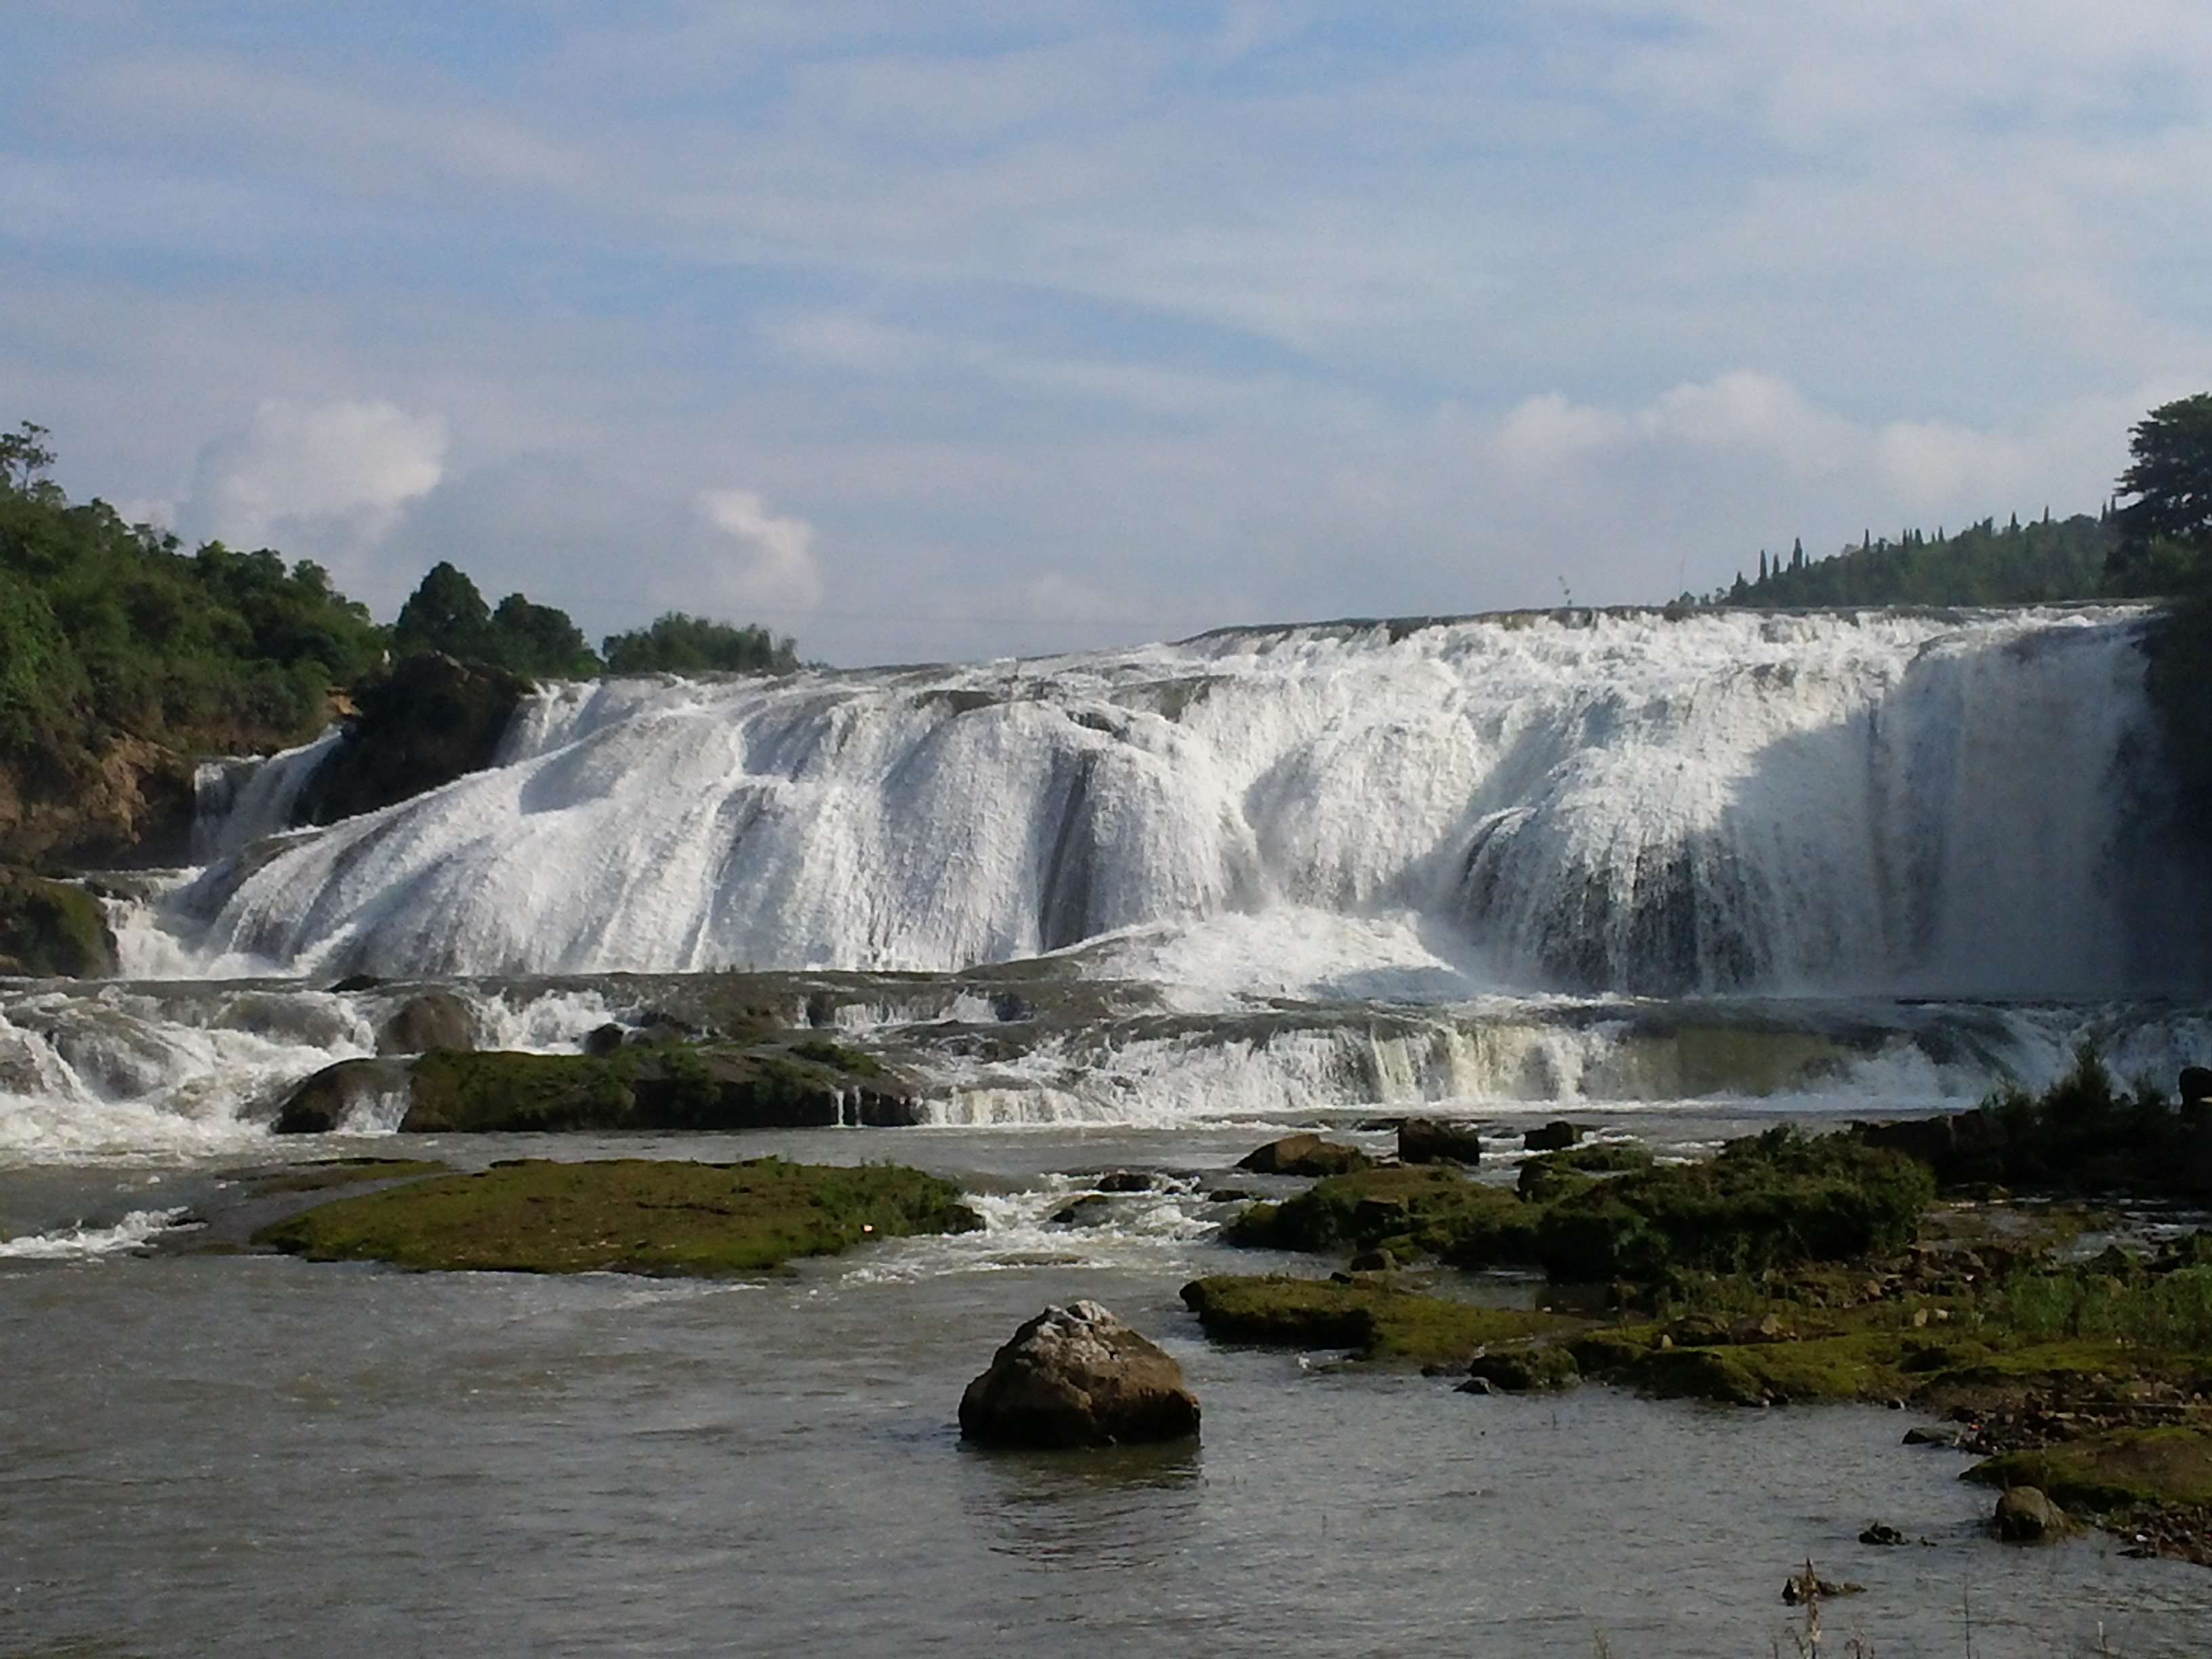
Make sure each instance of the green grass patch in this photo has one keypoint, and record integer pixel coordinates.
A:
(629, 1215)
(2111, 1469)
(1375, 1320)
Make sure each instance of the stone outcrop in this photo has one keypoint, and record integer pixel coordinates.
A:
(1554, 1137)
(1079, 1377)
(426, 722)
(126, 803)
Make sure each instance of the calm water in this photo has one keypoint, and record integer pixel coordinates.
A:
(246, 1456)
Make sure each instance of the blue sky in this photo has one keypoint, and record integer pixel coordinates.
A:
(969, 330)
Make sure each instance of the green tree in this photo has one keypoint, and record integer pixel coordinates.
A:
(445, 613)
(25, 458)
(537, 639)
(2165, 529)
(680, 644)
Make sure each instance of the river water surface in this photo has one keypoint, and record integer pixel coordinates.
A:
(224, 1454)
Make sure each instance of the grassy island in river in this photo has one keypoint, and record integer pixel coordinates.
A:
(627, 1215)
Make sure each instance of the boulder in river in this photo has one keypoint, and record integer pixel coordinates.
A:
(1304, 1155)
(1079, 1377)
(1427, 1140)
(1554, 1137)
(2025, 1516)
(428, 1020)
(324, 1101)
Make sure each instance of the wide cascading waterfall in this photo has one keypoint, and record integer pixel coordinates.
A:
(1879, 801)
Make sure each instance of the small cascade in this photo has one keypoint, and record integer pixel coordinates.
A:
(238, 801)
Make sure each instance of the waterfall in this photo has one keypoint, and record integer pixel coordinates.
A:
(1938, 803)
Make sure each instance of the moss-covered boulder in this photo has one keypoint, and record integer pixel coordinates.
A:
(348, 1092)
(1377, 1320)
(1526, 1368)
(629, 1215)
(430, 1019)
(1412, 1210)
(705, 1087)
(1434, 1140)
(52, 928)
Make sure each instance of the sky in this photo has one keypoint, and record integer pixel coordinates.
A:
(964, 331)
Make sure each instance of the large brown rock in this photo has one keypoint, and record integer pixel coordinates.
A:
(1079, 1377)
(1428, 1140)
(1304, 1155)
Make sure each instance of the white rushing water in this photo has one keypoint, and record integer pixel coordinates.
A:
(1448, 865)
(1883, 802)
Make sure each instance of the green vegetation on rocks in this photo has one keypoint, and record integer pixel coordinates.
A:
(625, 1215)
(2083, 1135)
(1775, 1199)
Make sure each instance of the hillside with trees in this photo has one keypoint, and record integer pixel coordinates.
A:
(2047, 561)
(125, 658)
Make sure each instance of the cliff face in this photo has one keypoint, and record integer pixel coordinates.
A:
(127, 804)
(423, 723)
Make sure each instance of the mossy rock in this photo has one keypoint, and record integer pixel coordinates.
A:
(52, 929)
(1778, 1199)
(2112, 1469)
(1715, 1374)
(1414, 1209)
(1527, 1369)
(1375, 1320)
(809, 1084)
(1555, 1174)
(629, 1215)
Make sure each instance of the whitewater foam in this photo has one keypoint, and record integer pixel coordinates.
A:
(134, 1232)
(1878, 802)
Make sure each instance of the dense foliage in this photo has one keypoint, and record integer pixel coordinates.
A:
(121, 655)
(2049, 560)
(107, 629)
(447, 613)
(677, 644)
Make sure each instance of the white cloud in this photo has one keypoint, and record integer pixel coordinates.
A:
(315, 469)
(777, 572)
